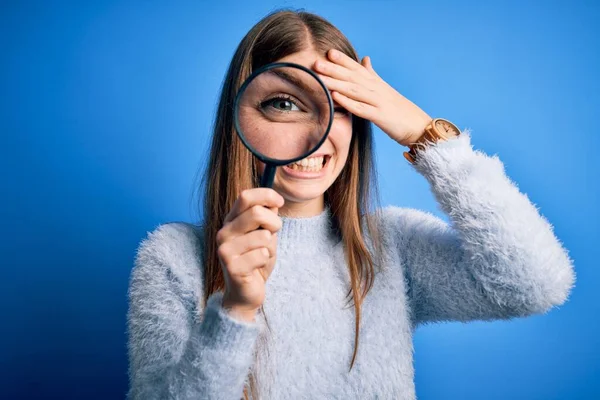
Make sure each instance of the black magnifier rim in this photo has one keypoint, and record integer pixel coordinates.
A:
(243, 88)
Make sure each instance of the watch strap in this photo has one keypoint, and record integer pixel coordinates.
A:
(431, 135)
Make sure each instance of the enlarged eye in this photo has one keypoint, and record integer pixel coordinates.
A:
(281, 104)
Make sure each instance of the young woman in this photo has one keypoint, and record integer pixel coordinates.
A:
(321, 301)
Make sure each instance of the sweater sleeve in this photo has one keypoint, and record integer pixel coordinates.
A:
(176, 350)
(497, 259)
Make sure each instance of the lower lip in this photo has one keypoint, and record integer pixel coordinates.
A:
(296, 173)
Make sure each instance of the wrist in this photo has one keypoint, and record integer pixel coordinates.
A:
(417, 132)
(239, 312)
(437, 129)
(414, 138)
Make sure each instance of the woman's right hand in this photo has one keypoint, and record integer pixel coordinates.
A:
(247, 253)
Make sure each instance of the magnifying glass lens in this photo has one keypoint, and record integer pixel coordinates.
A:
(283, 114)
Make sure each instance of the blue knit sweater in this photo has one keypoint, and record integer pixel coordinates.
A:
(497, 259)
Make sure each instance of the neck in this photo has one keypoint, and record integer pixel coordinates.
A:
(303, 209)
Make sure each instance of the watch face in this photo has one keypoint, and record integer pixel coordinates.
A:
(446, 128)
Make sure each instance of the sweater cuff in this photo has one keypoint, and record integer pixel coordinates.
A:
(455, 158)
(220, 356)
(224, 328)
(227, 341)
(455, 155)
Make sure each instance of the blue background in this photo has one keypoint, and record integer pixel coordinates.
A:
(105, 112)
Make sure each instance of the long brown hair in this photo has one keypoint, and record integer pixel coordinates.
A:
(231, 168)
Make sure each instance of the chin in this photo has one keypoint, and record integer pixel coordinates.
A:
(300, 193)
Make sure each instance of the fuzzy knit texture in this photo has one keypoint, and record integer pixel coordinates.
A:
(498, 258)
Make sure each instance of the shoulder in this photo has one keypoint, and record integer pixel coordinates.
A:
(406, 221)
(406, 228)
(176, 243)
(170, 257)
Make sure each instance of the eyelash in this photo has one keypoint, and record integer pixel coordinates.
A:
(279, 97)
(341, 110)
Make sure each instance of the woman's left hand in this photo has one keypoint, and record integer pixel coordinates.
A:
(359, 89)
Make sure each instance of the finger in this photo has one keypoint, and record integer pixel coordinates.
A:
(272, 246)
(351, 90)
(267, 269)
(245, 243)
(248, 198)
(251, 219)
(270, 265)
(366, 62)
(334, 70)
(245, 264)
(357, 108)
(342, 59)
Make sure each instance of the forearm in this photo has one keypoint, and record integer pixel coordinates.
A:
(218, 357)
(512, 251)
(171, 357)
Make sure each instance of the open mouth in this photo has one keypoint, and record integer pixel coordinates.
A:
(310, 164)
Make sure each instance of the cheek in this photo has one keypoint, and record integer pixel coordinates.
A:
(341, 136)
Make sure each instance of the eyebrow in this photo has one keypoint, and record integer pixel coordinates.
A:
(294, 81)
(301, 85)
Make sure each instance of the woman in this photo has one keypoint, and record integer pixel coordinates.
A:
(322, 300)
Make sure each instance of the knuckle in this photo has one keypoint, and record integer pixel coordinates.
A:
(257, 256)
(253, 257)
(245, 196)
(256, 211)
(273, 195)
(278, 223)
(220, 237)
(223, 252)
(233, 267)
(265, 235)
(264, 254)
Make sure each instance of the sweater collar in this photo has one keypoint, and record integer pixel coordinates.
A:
(301, 234)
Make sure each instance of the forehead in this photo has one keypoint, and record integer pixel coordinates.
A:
(305, 58)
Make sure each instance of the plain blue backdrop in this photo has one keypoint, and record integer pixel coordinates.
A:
(105, 113)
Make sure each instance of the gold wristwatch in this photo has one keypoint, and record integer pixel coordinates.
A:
(438, 129)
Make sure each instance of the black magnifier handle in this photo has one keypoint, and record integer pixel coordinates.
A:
(268, 176)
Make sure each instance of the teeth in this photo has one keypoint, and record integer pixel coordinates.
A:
(312, 164)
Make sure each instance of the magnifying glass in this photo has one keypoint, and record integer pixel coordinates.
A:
(283, 113)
